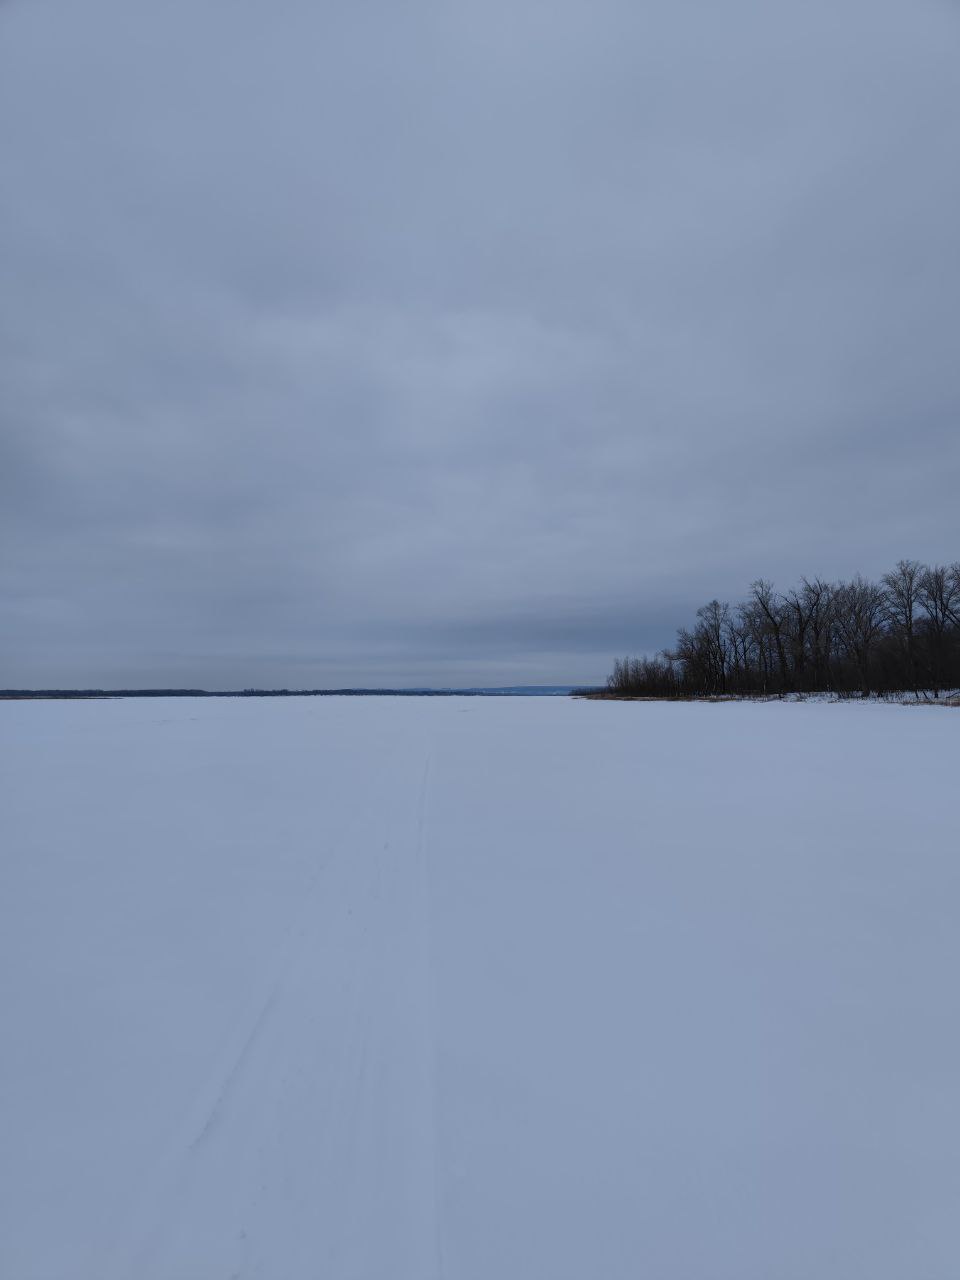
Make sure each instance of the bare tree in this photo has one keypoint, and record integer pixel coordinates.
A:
(821, 636)
(939, 597)
(772, 608)
(714, 619)
(819, 608)
(902, 590)
(860, 613)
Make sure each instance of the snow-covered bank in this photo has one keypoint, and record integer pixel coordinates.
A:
(920, 698)
(478, 989)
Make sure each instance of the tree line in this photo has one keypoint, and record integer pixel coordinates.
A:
(898, 635)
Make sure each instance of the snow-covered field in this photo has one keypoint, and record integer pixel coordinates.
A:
(508, 989)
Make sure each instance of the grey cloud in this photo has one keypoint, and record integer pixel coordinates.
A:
(381, 344)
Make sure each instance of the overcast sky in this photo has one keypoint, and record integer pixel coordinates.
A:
(468, 341)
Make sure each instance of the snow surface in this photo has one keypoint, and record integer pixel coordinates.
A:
(507, 989)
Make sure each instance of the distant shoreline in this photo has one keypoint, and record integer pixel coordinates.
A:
(508, 691)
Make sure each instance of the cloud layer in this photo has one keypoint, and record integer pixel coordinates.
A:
(456, 343)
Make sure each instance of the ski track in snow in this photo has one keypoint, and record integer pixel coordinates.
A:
(429, 971)
(271, 1072)
(420, 990)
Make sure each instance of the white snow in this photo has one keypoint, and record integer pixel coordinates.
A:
(507, 989)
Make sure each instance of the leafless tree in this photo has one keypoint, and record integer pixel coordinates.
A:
(902, 590)
(939, 597)
(860, 612)
(772, 608)
(898, 635)
(818, 604)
